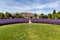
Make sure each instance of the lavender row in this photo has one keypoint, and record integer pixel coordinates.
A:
(26, 20)
(51, 21)
(10, 21)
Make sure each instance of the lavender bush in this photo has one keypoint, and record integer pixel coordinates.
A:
(15, 20)
(26, 20)
(51, 21)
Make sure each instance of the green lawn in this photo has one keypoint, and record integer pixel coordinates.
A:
(34, 31)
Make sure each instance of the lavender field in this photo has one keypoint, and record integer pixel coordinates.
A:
(26, 20)
(49, 21)
(12, 21)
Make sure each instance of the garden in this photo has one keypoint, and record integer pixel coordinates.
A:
(50, 18)
(36, 27)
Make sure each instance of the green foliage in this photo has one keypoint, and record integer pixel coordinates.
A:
(1, 15)
(45, 16)
(54, 12)
(17, 15)
(58, 14)
(41, 15)
(54, 15)
(35, 15)
(49, 16)
(8, 15)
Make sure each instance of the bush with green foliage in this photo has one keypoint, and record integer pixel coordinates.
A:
(54, 15)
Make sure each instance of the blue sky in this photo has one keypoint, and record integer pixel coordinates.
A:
(34, 6)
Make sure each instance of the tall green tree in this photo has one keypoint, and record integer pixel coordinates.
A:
(17, 15)
(54, 15)
(35, 15)
(41, 15)
(49, 16)
(54, 12)
(8, 15)
(58, 14)
(1, 15)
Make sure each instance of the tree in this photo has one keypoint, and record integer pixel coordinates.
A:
(58, 14)
(41, 15)
(44, 16)
(35, 15)
(49, 16)
(17, 15)
(8, 15)
(54, 12)
(54, 15)
(1, 15)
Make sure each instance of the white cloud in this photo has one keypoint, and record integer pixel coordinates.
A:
(49, 5)
(5, 7)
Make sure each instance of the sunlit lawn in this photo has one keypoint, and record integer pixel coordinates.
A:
(34, 31)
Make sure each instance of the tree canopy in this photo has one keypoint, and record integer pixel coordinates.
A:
(54, 15)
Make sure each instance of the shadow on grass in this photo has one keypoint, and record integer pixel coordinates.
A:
(26, 22)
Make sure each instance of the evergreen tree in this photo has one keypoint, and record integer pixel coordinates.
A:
(54, 12)
(54, 15)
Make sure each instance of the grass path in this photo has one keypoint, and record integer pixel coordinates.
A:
(34, 31)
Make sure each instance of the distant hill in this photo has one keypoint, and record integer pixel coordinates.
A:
(27, 14)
